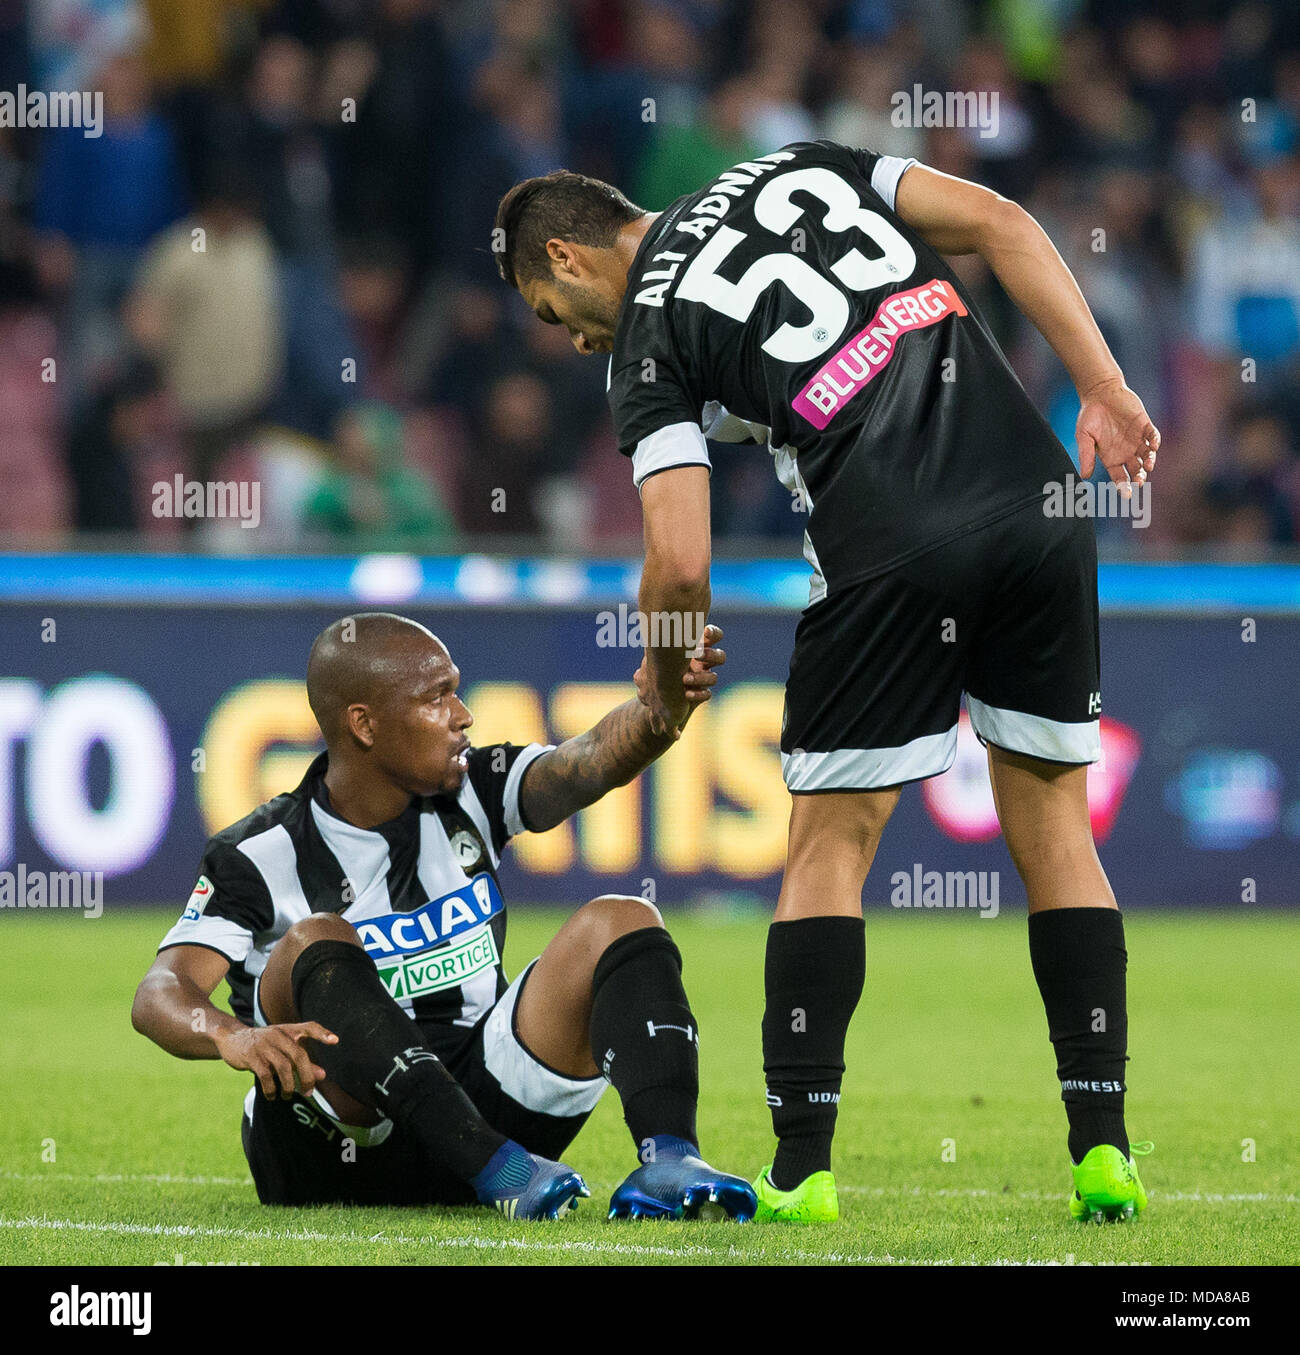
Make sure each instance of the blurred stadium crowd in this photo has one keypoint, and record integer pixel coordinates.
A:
(344, 158)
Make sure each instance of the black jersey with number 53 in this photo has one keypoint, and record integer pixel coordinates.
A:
(787, 302)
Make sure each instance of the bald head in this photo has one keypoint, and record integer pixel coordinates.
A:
(372, 658)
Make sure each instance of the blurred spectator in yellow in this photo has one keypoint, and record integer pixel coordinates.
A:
(204, 306)
(189, 43)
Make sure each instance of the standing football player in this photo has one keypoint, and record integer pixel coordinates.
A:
(801, 301)
(359, 922)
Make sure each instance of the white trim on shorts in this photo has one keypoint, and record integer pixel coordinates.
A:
(870, 768)
(1034, 735)
(523, 1077)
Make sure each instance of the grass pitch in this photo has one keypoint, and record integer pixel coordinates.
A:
(111, 1152)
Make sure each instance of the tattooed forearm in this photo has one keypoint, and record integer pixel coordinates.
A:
(582, 769)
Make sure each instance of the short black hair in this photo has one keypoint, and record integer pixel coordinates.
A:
(562, 205)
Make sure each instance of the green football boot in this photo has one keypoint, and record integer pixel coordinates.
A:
(813, 1200)
(1106, 1185)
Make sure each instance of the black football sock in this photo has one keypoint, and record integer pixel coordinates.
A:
(814, 974)
(644, 1038)
(382, 1058)
(1079, 962)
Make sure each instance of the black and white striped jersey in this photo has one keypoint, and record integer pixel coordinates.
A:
(786, 302)
(421, 890)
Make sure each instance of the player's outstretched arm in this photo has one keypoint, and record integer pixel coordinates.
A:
(173, 1008)
(957, 217)
(674, 581)
(615, 749)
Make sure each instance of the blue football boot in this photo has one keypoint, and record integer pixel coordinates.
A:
(521, 1185)
(680, 1185)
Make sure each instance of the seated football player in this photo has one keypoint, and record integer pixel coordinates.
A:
(360, 924)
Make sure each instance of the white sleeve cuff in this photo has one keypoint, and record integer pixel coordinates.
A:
(886, 174)
(510, 794)
(216, 933)
(680, 444)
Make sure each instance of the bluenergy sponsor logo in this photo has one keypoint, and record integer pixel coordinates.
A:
(871, 349)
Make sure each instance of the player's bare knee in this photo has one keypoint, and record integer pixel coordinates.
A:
(610, 916)
(306, 932)
(275, 989)
(320, 927)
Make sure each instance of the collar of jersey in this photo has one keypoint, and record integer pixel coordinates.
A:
(651, 238)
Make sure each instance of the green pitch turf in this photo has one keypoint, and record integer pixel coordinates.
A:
(112, 1152)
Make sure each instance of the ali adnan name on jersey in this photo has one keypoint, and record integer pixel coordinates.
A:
(711, 209)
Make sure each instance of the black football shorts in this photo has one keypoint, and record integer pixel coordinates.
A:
(1006, 615)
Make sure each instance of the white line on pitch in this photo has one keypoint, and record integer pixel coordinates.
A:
(126, 1178)
(311, 1235)
(507, 1244)
(1185, 1196)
